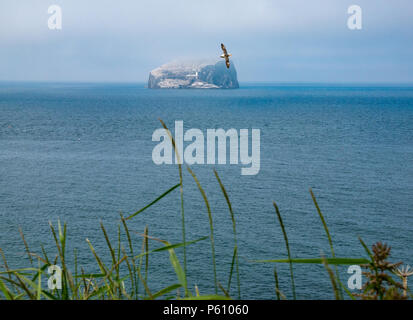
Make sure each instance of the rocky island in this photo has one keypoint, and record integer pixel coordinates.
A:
(194, 75)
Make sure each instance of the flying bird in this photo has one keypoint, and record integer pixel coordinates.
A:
(225, 55)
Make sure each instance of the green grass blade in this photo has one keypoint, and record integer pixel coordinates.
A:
(134, 274)
(224, 191)
(77, 285)
(177, 267)
(287, 246)
(366, 249)
(6, 267)
(49, 295)
(139, 268)
(131, 273)
(35, 286)
(39, 283)
(211, 226)
(20, 271)
(277, 285)
(181, 189)
(3, 288)
(332, 279)
(46, 258)
(234, 229)
(23, 286)
(145, 285)
(101, 265)
(347, 291)
(232, 268)
(146, 244)
(154, 201)
(166, 290)
(112, 253)
(91, 275)
(224, 291)
(330, 241)
(208, 297)
(26, 246)
(60, 242)
(332, 261)
(171, 246)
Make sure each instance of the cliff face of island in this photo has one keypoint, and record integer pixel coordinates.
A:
(193, 75)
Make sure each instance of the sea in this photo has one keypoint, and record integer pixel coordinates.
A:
(81, 153)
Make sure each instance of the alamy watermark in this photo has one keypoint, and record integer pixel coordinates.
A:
(55, 280)
(354, 22)
(354, 281)
(213, 152)
(55, 20)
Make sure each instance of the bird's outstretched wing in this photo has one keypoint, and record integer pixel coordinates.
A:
(224, 49)
(226, 56)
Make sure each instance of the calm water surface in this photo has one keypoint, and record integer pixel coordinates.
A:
(83, 153)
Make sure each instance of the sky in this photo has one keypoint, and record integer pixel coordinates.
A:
(271, 40)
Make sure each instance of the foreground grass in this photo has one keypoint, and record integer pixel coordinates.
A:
(127, 274)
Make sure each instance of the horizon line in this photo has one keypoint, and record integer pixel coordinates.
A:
(260, 82)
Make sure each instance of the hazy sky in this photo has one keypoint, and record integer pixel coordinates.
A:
(285, 40)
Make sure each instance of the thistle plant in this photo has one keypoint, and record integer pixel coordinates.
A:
(380, 285)
(404, 272)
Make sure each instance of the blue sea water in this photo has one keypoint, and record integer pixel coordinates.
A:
(82, 153)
